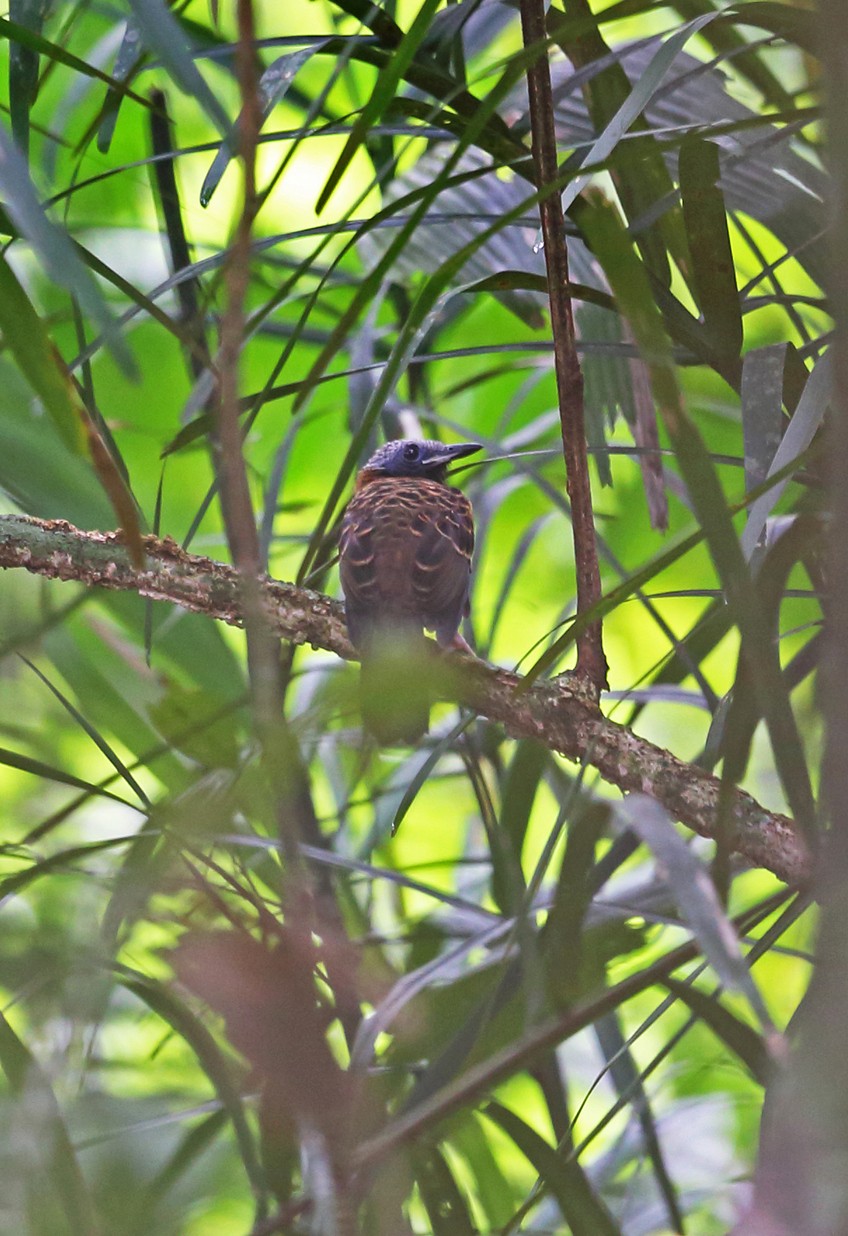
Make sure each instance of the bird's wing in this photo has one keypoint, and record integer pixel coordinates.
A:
(358, 566)
(443, 542)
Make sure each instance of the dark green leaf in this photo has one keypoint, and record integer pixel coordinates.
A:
(62, 1172)
(441, 1195)
(713, 268)
(54, 248)
(739, 1038)
(583, 1210)
(383, 92)
(23, 66)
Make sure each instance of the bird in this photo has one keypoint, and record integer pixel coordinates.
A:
(405, 549)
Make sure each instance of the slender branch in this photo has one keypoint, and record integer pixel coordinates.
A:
(281, 760)
(591, 663)
(236, 503)
(559, 714)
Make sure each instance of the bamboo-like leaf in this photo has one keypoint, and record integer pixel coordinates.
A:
(272, 89)
(762, 412)
(129, 58)
(23, 66)
(800, 432)
(739, 1038)
(713, 268)
(45, 371)
(96, 737)
(27, 339)
(36, 43)
(165, 1004)
(645, 87)
(762, 175)
(519, 788)
(163, 35)
(630, 1087)
(185, 1157)
(630, 285)
(696, 897)
(585, 1213)
(54, 248)
(383, 92)
(63, 861)
(491, 1185)
(62, 1172)
(38, 768)
(642, 180)
(441, 1195)
(795, 25)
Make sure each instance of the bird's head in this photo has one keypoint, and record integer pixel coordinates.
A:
(409, 457)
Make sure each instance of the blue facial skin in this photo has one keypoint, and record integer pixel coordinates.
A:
(407, 457)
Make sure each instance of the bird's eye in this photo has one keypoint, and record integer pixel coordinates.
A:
(411, 451)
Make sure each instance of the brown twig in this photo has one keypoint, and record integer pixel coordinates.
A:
(285, 776)
(591, 663)
(236, 503)
(281, 758)
(558, 714)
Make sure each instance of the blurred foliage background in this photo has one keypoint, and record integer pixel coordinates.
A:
(186, 1050)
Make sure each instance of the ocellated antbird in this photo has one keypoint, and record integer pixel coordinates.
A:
(405, 562)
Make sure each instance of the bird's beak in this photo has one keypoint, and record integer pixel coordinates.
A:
(447, 455)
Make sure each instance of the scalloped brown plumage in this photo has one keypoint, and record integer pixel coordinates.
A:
(405, 562)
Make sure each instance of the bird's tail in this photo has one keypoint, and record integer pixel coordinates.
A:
(394, 685)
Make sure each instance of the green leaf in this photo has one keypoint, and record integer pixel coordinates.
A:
(63, 861)
(520, 786)
(164, 35)
(14, 759)
(220, 1071)
(808, 416)
(628, 278)
(198, 724)
(45, 370)
(441, 1195)
(490, 1184)
(635, 103)
(93, 733)
(735, 1034)
(583, 1210)
(638, 167)
(129, 58)
(381, 96)
(54, 248)
(23, 67)
(272, 89)
(695, 895)
(28, 342)
(713, 268)
(762, 411)
(62, 1172)
(795, 25)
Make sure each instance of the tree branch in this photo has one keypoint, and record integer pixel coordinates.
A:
(557, 713)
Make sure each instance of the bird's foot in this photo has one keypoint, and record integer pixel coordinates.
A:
(458, 644)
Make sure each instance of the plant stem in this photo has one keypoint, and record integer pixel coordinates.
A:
(591, 662)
